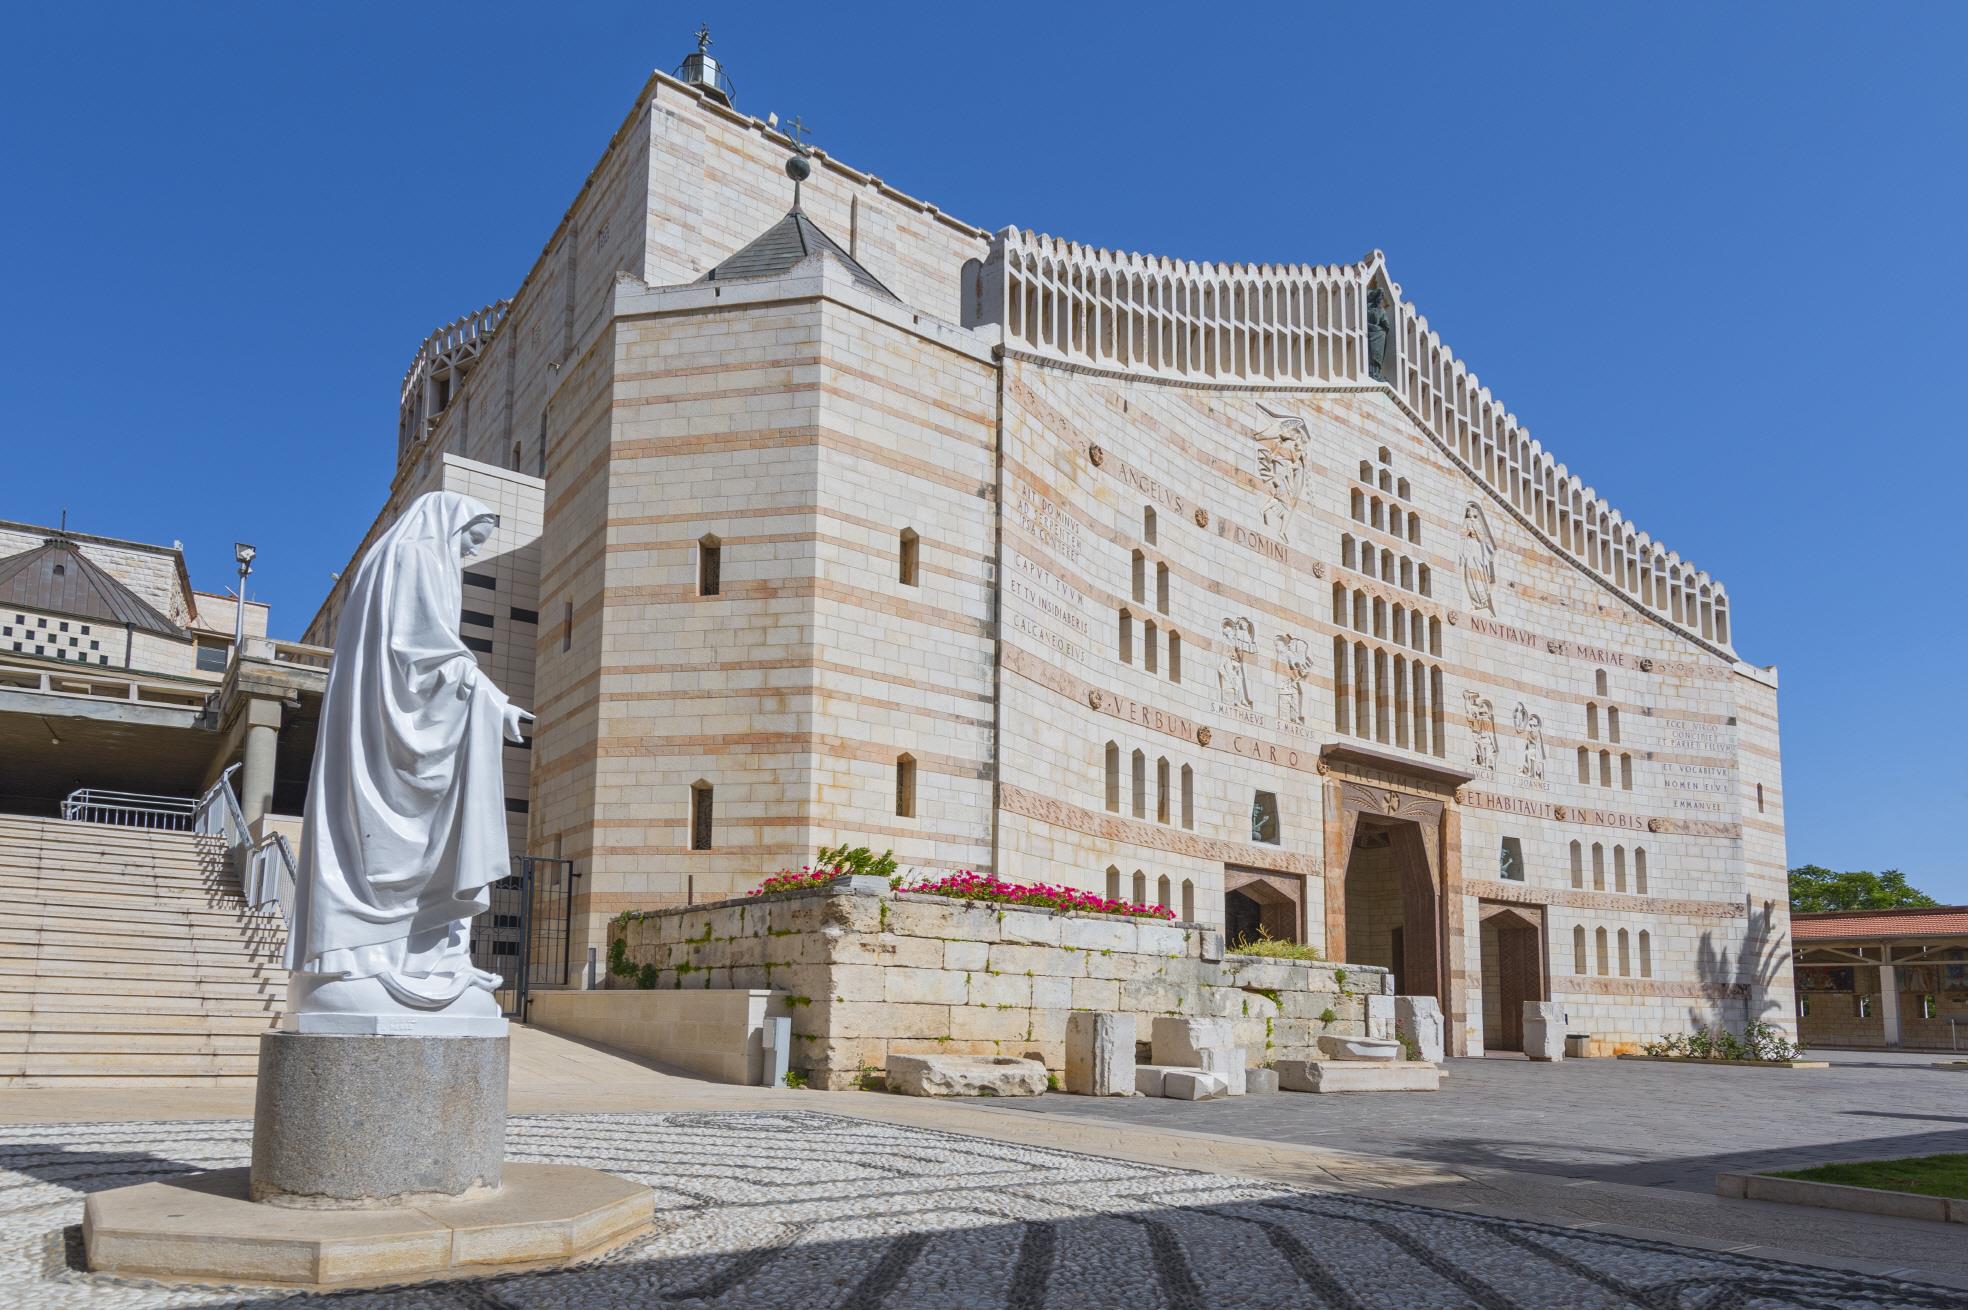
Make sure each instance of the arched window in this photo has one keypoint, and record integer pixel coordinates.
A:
(1625, 955)
(1578, 949)
(1148, 524)
(905, 786)
(1394, 517)
(1140, 777)
(1188, 901)
(1162, 798)
(1188, 797)
(1599, 951)
(1434, 624)
(1646, 954)
(1151, 647)
(1379, 617)
(1591, 721)
(1139, 892)
(1387, 566)
(1599, 681)
(1585, 765)
(1598, 867)
(1162, 890)
(1113, 882)
(909, 554)
(1114, 777)
(1341, 610)
(1619, 868)
(1367, 558)
(1175, 657)
(1346, 556)
(1401, 489)
(1605, 768)
(1578, 865)
(1626, 771)
(1407, 573)
(1359, 499)
(1360, 603)
(710, 565)
(1140, 578)
(1414, 531)
(1162, 588)
(1613, 724)
(1422, 583)
(1640, 869)
(1376, 513)
(1126, 646)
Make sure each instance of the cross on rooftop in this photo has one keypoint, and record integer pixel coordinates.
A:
(703, 36)
(798, 131)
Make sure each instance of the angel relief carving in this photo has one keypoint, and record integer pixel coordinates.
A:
(1283, 461)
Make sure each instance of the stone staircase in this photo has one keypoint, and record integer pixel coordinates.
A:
(128, 956)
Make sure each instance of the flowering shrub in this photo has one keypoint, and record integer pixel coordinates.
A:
(968, 886)
(807, 878)
(1760, 1041)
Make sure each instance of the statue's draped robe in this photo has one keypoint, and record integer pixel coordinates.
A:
(405, 824)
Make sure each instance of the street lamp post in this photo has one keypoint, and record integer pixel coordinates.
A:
(244, 554)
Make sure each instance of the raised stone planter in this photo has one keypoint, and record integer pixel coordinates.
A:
(868, 974)
(965, 1075)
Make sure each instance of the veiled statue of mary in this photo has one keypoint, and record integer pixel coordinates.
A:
(405, 824)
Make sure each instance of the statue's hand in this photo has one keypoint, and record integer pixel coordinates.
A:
(514, 717)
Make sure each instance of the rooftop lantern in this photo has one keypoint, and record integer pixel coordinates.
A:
(700, 70)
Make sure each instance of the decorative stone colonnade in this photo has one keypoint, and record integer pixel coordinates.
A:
(867, 973)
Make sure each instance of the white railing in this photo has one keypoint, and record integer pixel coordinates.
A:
(130, 809)
(267, 871)
(218, 813)
(270, 873)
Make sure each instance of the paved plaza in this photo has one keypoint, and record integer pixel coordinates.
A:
(1625, 1121)
(808, 1209)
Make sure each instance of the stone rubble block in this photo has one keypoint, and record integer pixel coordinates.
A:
(1100, 1054)
(1194, 1085)
(1419, 1018)
(1358, 1076)
(1260, 1081)
(965, 1075)
(1544, 1030)
(1207, 1044)
(1380, 1017)
(1099, 933)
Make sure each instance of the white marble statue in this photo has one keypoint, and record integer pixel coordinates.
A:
(406, 815)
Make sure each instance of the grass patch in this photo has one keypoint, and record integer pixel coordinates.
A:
(1929, 1175)
(1265, 946)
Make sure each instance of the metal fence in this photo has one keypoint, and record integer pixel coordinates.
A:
(523, 934)
(130, 809)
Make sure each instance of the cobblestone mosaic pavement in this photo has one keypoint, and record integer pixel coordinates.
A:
(812, 1210)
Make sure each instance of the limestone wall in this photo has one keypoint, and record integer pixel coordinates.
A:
(870, 974)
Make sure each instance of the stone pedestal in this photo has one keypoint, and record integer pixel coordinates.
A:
(1419, 1019)
(1100, 1053)
(1544, 1030)
(375, 1160)
(357, 1122)
(1380, 1017)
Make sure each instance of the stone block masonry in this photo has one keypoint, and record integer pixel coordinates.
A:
(867, 975)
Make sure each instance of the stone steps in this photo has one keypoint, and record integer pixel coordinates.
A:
(128, 957)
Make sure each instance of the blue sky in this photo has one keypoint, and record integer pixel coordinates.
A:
(1711, 254)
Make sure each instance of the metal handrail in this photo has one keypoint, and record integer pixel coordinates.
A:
(130, 809)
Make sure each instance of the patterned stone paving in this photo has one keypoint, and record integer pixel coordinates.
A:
(810, 1210)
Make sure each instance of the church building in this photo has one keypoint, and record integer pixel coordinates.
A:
(828, 516)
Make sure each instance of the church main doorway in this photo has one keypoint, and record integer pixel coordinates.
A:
(1392, 911)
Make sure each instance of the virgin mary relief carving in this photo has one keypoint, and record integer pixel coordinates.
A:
(1478, 558)
(1283, 459)
(1297, 655)
(1483, 727)
(1531, 726)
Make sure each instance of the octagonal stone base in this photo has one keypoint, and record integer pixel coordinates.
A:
(203, 1227)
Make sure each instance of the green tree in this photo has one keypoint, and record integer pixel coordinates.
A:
(1814, 888)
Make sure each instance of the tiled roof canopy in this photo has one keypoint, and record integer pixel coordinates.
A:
(1844, 925)
(56, 578)
(784, 246)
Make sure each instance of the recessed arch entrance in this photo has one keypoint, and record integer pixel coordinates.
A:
(1513, 971)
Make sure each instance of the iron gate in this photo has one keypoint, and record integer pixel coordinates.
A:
(523, 934)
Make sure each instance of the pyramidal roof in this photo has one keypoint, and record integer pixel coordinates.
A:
(57, 578)
(786, 245)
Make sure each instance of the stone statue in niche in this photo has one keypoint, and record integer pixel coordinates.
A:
(1531, 727)
(1232, 678)
(1483, 727)
(1297, 655)
(1478, 559)
(1283, 459)
(405, 826)
(1380, 327)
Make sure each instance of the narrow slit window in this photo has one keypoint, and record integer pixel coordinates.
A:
(701, 817)
(710, 566)
(910, 558)
(905, 787)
